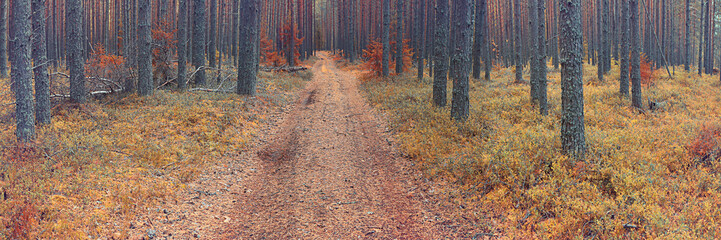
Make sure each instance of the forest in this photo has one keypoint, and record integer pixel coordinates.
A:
(373, 119)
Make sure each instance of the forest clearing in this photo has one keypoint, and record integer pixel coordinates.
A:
(353, 119)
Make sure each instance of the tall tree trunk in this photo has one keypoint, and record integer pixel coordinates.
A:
(182, 43)
(75, 49)
(709, 26)
(247, 71)
(542, 82)
(351, 31)
(212, 33)
(421, 44)
(600, 57)
(3, 38)
(145, 64)
(606, 38)
(485, 47)
(399, 37)
(701, 38)
(21, 75)
(386, 37)
(635, 56)
(517, 41)
(40, 58)
(534, 64)
(440, 76)
(234, 38)
(623, 79)
(687, 45)
(461, 58)
(199, 41)
(477, 36)
(572, 123)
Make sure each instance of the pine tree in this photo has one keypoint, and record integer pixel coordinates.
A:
(247, 70)
(40, 59)
(3, 38)
(21, 74)
(623, 80)
(145, 64)
(386, 37)
(399, 37)
(542, 82)
(199, 41)
(75, 49)
(461, 58)
(573, 137)
(440, 76)
(635, 55)
(182, 40)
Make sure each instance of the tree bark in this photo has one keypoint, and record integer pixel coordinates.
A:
(687, 46)
(20, 72)
(145, 64)
(386, 37)
(534, 63)
(701, 38)
(623, 79)
(517, 41)
(182, 41)
(635, 56)
(40, 58)
(4, 38)
(399, 37)
(421, 45)
(247, 70)
(199, 41)
(571, 39)
(212, 33)
(440, 76)
(462, 13)
(542, 71)
(75, 49)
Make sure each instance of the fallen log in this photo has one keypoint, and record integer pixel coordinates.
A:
(282, 69)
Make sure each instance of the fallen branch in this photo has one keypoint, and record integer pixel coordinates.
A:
(209, 90)
(283, 69)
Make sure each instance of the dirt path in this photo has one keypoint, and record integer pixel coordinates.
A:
(329, 172)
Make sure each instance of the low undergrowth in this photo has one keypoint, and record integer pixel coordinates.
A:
(100, 163)
(650, 175)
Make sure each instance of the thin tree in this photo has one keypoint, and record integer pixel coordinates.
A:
(623, 80)
(182, 40)
(440, 76)
(635, 55)
(399, 37)
(573, 137)
(3, 38)
(199, 41)
(40, 58)
(247, 54)
(75, 49)
(517, 40)
(419, 36)
(485, 48)
(234, 26)
(145, 64)
(542, 81)
(687, 47)
(386, 37)
(211, 33)
(606, 38)
(461, 58)
(601, 54)
(478, 38)
(534, 61)
(701, 38)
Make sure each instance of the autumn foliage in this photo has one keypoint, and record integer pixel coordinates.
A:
(104, 69)
(373, 56)
(287, 34)
(706, 146)
(165, 43)
(268, 55)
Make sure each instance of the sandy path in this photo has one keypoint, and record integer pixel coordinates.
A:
(329, 172)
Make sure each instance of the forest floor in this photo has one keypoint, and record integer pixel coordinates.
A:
(325, 168)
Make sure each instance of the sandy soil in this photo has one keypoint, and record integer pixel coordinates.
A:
(326, 170)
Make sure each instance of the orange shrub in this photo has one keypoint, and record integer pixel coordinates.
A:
(268, 55)
(706, 144)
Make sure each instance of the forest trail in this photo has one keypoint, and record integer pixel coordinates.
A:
(329, 171)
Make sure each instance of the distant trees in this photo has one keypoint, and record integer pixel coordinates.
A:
(573, 137)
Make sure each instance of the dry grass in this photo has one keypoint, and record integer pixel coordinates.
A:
(640, 178)
(100, 163)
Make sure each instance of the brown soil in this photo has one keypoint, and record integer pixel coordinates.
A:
(327, 170)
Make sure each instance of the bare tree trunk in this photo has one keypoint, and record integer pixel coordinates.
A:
(3, 38)
(399, 37)
(635, 56)
(247, 69)
(572, 123)
(212, 32)
(75, 49)
(687, 47)
(40, 58)
(421, 45)
(623, 80)
(21, 75)
(534, 63)
(542, 71)
(182, 41)
(145, 64)
(199, 41)
(440, 77)
(386, 37)
(462, 18)
(517, 41)
(701, 38)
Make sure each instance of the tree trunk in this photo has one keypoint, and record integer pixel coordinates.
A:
(145, 64)
(440, 76)
(606, 39)
(701, 38)
(182, 41)
(40, 58)
(20, 72)
(3, 38)
(687, 45)
(635, 56)
(234, 38)
(247, 54)
(572, 123)
(386, 37)
(534, 64)
(485, 48)
(351, 31)
(600, 56)
(399, 37)
(477, 44)
(623, 79)
(75, 49)
(211, 33)
(421, 45)
(542, 82)
(517, 41)
(199, 41)
(462, 13)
